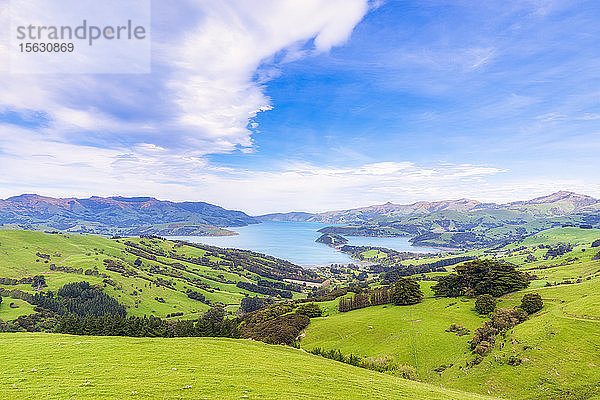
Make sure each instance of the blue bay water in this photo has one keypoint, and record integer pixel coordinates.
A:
(295, 242)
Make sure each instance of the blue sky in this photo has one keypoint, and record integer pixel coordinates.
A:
(317, 105)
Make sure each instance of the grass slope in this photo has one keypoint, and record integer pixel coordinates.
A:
(138, 289)
(559, 346)
(414, 335)
(145, 368)
(8, 314)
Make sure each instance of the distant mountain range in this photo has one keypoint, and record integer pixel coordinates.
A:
(556, 204)
(450, 223)
(119, 215)
(457, 223)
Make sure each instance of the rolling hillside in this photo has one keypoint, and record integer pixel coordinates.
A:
(149, 276)
(558, 346)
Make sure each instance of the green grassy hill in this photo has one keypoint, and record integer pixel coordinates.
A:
(559, 346)
(148, 275)
(20, 307)
(413, 335)
(50, 366)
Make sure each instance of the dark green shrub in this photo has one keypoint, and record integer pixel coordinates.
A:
(483, 348)
(215, 314)
(458, 329)
(406, 291)
(253, 303)
(194, 295)
(284, 329)
(448, 286)
(311, 310)
(514, 361)
(485, 304)
(505, 318)
(385, 363)
(501, 321)
(480, 277)
(531, 303)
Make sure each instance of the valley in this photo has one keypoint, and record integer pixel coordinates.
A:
(300, 200)
(551, 354)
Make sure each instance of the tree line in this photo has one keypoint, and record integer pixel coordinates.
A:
(405, 291)
(79, 298)
(398, 272)
(251, 287)
(37, 282)
(211, 324)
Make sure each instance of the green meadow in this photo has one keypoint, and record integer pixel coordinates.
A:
(20, 307)
(51, 366)
(414, 335)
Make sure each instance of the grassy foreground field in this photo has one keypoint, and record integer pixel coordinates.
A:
(50, 366)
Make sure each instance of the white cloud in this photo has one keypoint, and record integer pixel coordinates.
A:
(589, 117)
(148, 135)
(202, 93)
(111, 134)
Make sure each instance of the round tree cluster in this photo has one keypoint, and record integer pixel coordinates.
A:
(485, 304)
(531, 303)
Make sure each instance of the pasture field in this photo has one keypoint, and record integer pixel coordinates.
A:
(22, 308)
(51, 366)
(414, 335)
(559, 346)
